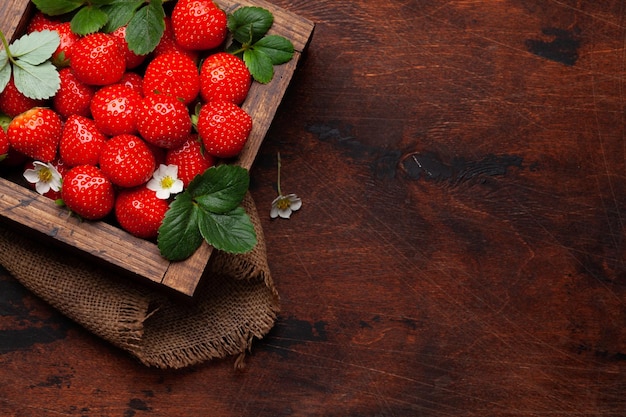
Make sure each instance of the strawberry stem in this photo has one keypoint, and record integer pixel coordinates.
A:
(278, 176)
(5, 43)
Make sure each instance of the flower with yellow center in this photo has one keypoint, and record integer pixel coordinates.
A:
(284, 205)
(165, 181)
(45, 177)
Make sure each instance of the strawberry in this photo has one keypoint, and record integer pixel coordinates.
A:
(224, 128)
(88, 192)
(4, 144)
(168, 43)
(36, 133)
(163, 121)
(73, 97)
(132, 59)
(81, 142)
(199, 24)
(40, 22)
(140, 212)
(127, 161)
(158, 153)
(61, 57)
(114, 108)
(13, 102)
(173, 73)
(224, 76)
(133, 80)
(98, 59)
(190, 159)
(67, 37)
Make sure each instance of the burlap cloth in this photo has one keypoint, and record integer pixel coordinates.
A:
(235, 302)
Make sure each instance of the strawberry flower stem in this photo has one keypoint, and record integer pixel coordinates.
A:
(5, 43)
(278, 176)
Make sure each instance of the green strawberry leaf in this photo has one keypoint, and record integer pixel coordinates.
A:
(209, 209)
(28, 60)
(231, 232)
(5, 69)
(146, 28)
(259, 64)
(57, 7)
(36, 81)
(249, 24)
(35, 48)
(278, 48)
(88, 19)
(120, 12)
(179, 235)
(220, 189)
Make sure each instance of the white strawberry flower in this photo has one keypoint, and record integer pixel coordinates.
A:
(165, 181)
(284, 205)
(45, 177)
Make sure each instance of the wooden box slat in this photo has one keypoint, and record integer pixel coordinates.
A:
(109, 244)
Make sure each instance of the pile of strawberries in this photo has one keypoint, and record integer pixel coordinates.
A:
(118, 116)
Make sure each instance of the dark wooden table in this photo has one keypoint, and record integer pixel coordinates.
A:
(460, 250)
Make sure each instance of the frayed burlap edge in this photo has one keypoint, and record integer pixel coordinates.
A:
(235, 302)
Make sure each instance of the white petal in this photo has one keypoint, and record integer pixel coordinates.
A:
(177, 187)
(170, 171)
(296, 204)
(154, 185)
(163, 194)
(55, 183)
(31, 176)
(285, 214)
(42, 187)
(274, 212)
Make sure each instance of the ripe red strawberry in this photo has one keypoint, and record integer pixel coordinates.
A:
(36, 133)
(163, 120)
(173, 73)
(81, 142)
(13, 102)
(199, 24)
(224, 128)
(88, 192)
(140, 212)
(132, 59)
(61, 57)
(73, 97)
(190, 159)
(224, 76)
(40, 22)
(168, 43)
(133, 80)
(127, 161)
(98, 59)
(4, 144)
(114, 108)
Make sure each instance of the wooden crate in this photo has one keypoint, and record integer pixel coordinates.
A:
(103, 242)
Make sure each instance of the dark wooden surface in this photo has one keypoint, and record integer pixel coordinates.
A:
(460, 250)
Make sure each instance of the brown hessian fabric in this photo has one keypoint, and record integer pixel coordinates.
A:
(235, 302)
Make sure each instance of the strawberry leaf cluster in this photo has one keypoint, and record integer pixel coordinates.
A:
(260, 52)
(144, 18)
(28, 61)
(209, 209)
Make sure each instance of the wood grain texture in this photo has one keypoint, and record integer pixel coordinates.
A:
(460, 249)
